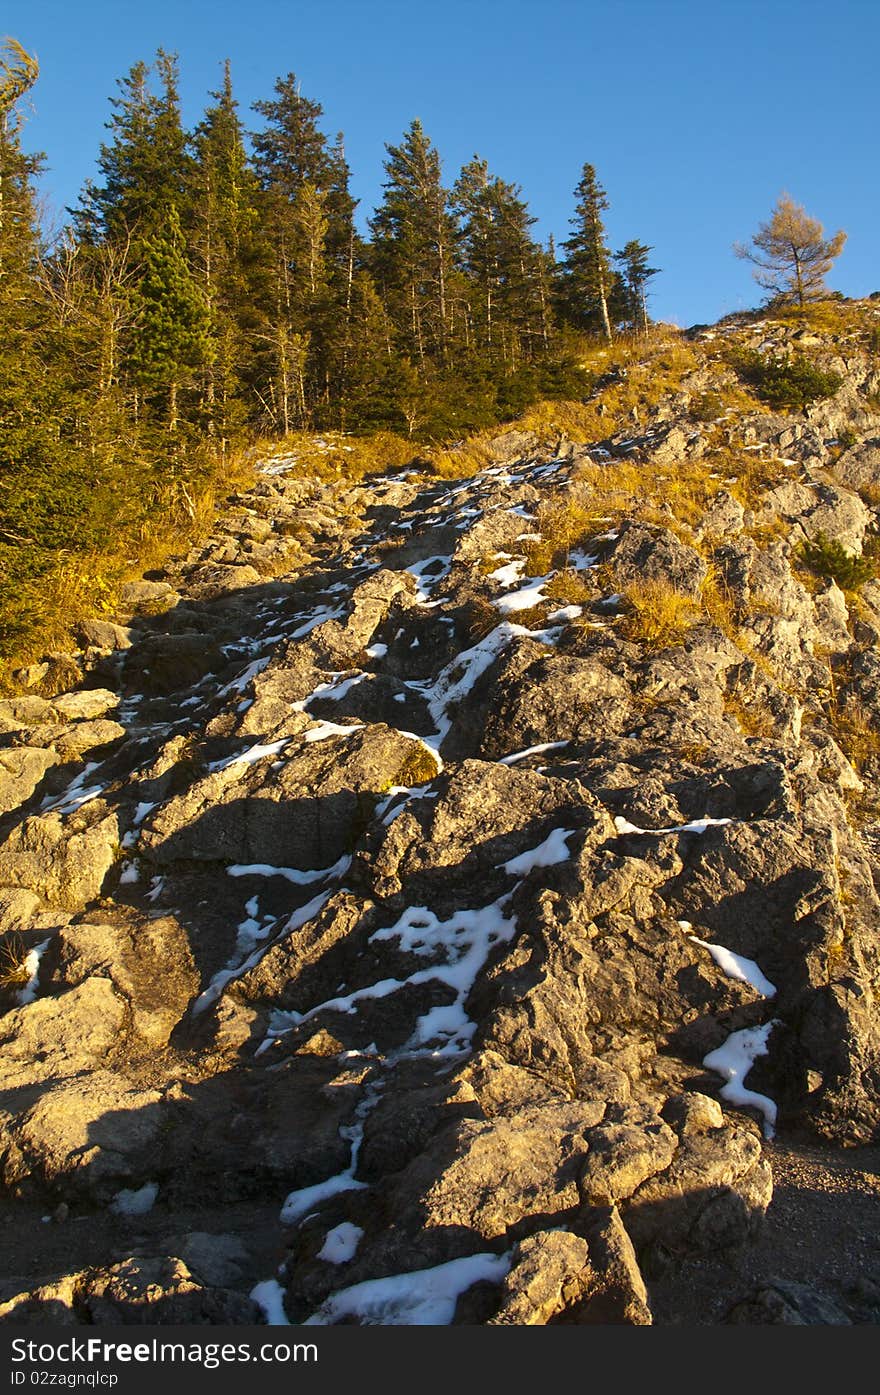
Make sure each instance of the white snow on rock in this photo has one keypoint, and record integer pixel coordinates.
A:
(238, 685)
(735, 966)
(322, 731)
(695, 826)
(510, 573)
(250, 756)
(553, 849)
(28, 992)
(426, 1298)
(533, 751)
(733, 1061)
(340, 1243)
(290, 874)
(76, 795)
(135, 1203)
(233, 971)
(269, 1296)
(527, 596)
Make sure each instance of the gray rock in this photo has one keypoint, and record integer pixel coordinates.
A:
(21, 770)
(86, 704)
(305, 809)
(64, 859)
(149, 962)
(136, 595)
(141, 1290)
(780, 1302)
(103, 634)
(644, 554)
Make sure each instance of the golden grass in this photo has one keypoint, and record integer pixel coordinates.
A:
(14, 972)
(564, 523)
(657, 614)
(855, 731)
(571, 588)
(335, 455)
(85, 585)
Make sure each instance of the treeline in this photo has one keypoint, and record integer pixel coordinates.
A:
(213, 283)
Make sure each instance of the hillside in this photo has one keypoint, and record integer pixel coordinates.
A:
(454, 897)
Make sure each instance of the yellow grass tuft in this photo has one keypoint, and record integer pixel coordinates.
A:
(658, 614)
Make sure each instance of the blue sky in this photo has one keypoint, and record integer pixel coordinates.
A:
(695, 115)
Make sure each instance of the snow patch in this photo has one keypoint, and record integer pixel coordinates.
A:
(135, 1203)
(340, 1243)
(733, 1061)
(425, 1298)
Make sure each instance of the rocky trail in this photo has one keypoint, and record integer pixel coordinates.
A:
(393, 935)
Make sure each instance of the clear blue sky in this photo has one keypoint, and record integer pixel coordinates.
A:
(695, 114)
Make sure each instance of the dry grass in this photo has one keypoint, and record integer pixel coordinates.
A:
(856, 733)
(14, 972)
(750, 715)
(335, 456)
(657, 614)
(84, 585)
(461, 461)
(571, 588)
(564, 523)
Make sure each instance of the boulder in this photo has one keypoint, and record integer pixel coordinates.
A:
(21, 770)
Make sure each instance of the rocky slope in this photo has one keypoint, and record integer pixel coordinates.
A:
(394, 909)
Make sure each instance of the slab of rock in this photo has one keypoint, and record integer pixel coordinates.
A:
(86, 704)
(305, 808)
(154, 1290)
(136, 595)
(21, 770)
(784, 1303)
(63, 859)
(643, 554)
(149, 962)
(103, 634)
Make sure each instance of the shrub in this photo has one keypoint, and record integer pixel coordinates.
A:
(828, 557)
(791, 381)
(706, 406)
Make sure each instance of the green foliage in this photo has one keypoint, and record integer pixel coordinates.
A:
(829, 558)
(785, 380)
(706, 406)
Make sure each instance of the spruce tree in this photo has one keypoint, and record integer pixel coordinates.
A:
(414, 240)
(636, 273)
(145, 168)
(586, 272)
(504, 264)
(170, 337)
(226, 253)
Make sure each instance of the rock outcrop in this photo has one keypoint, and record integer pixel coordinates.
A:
(364, 876)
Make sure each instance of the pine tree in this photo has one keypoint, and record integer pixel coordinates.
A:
(587, 275)
(170, 338)
(309, 221)
(506, 266)
(145, 168)
(414, 238)
(792, 254)
(225, 252)
(633, 259)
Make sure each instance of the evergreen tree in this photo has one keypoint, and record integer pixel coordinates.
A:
(633, 259)
(309, 219)
(586, 274)
(506, 266)
(171, 337)
(145, 168)
(414, 240)
(226, 253)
